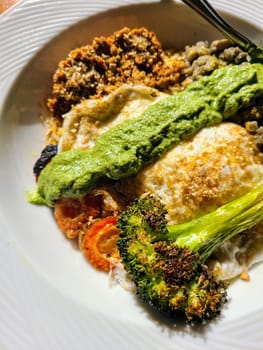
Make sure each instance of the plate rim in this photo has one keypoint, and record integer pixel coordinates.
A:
(9, 249)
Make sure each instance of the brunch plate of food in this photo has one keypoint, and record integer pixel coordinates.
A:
(131, 197)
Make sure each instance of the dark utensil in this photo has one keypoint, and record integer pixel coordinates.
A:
(206, 10)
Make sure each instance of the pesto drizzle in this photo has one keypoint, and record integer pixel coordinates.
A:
(128, 147)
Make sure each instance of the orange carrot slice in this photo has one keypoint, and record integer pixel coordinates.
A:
(100, 243)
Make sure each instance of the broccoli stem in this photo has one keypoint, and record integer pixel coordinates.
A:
(205, 234)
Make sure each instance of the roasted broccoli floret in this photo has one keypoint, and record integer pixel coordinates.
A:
(167, 262)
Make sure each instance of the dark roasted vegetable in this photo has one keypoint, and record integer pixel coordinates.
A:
(48, 152)
(167, 263)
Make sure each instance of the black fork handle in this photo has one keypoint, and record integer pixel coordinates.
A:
(208, 12)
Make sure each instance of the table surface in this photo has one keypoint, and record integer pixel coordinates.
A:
(5, 4)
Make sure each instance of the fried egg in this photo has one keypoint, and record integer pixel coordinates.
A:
(217, 165)
(86, 121)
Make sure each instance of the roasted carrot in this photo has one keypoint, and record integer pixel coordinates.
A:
(100, 243)
(74, 215)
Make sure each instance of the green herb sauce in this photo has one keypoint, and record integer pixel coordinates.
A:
(128, 147)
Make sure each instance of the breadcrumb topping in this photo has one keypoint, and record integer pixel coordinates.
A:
(216, 166)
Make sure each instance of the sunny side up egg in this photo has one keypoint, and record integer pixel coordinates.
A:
(217, 165)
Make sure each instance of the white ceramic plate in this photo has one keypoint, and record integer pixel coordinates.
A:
(50, 298)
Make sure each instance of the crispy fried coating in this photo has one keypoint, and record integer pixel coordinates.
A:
(132, 56)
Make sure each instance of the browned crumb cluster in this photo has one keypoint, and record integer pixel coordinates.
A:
(127, 56)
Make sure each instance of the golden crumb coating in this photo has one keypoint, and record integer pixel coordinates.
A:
(127, 56)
